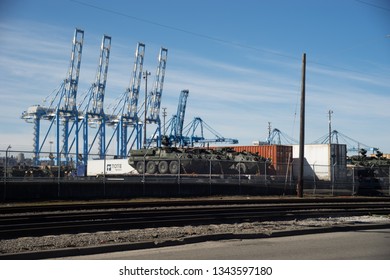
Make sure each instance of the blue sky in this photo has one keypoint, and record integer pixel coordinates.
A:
(240, 60)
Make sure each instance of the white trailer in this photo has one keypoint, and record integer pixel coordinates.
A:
(109, 167)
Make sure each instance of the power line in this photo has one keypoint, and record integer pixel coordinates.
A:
(373, 5)
(219, 40)
(201, 35)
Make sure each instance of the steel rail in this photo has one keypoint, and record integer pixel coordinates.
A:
(88, 205)
(38, 224)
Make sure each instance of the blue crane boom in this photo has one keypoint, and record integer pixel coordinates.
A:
(62, 107)
(177, 121)
(94, 111)
(154, 97)
(195, 138)
(99, 87)
(130, 117)
(68, 110)
(181, 110)
(154, 100)
(71, 83)
(135, 84)
(125, 113)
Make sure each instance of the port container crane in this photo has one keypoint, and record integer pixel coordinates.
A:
(154, 97)
(62, 110)
(193, 137)
(352, 144)
(67, 112)
(277, 137)
(125, 113)
(94, 111)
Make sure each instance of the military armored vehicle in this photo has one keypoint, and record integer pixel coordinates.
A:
(172, 160)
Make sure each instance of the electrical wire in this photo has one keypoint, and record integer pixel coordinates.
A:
(220, 40)
(373, 5)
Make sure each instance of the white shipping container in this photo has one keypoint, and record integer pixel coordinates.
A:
(109, 167)
(321, 161)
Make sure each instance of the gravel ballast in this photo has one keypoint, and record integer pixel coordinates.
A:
(162, 234)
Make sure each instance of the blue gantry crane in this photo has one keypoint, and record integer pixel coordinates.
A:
(67, 112)
(352, 144)
(154, 97)
(66, 116)
(194, 132)
(62, 110)
(93, 112)
(68, 120)
(125, 113)
(277, 137)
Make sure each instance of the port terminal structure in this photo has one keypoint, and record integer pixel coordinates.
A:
(72, 119)
(70, 116)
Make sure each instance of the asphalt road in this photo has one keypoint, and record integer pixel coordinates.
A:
(364, 244)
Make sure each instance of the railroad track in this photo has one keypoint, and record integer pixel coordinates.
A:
(77, 218)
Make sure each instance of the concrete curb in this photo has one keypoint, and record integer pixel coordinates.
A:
(69, 252)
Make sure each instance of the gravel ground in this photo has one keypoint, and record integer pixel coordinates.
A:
(26, 244)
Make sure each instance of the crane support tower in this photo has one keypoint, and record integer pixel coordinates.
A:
(34, 115)
(67, 112)
(125, 112)
(135, 84)
(94, 111)
(129, 116)
(193, 137)
(154, 99)
(62, 110)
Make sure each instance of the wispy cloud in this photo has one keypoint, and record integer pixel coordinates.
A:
(238, 98)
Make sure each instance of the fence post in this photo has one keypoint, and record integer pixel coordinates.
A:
(59, 175)
(210, 171)
(179, 178)
(239, 176)
(314, 178)
(353, 181)
(104, 176)
(333, 177)
(8, 150)
(143, 176)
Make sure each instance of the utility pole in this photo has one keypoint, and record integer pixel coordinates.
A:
(5, 172)
(331, 167)
(145, 75)
(6, 163)
(164, 115)
(269, 133)
(330, 127)
(302, 130)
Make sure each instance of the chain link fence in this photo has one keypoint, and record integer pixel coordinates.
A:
(190, 175)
